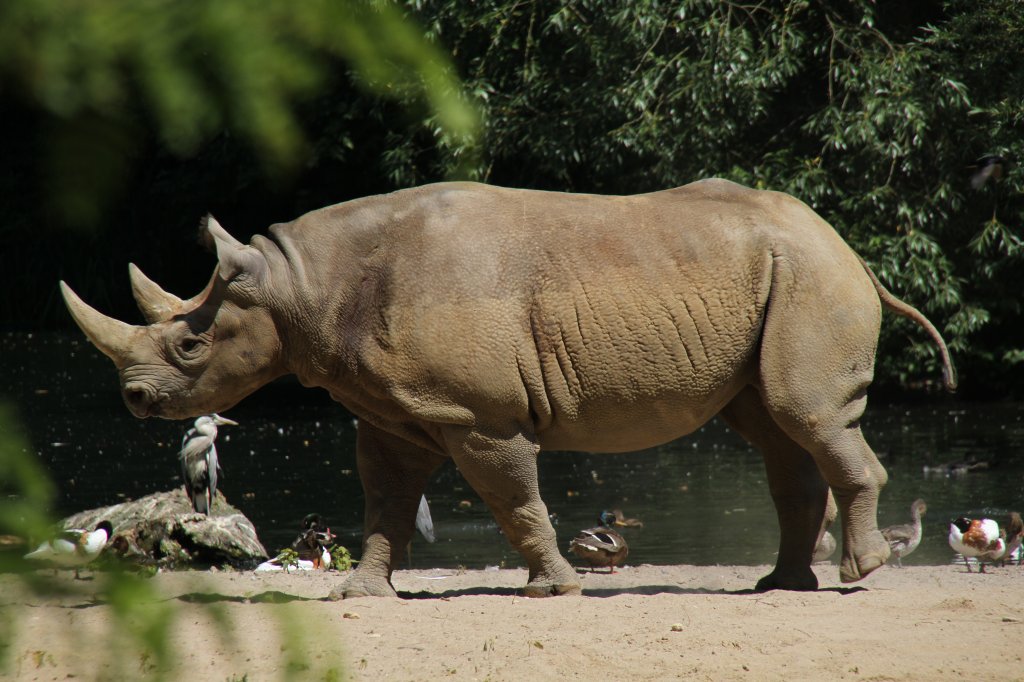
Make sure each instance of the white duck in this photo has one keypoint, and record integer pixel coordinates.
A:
(977, 538)
(74, 547)
(199, 464)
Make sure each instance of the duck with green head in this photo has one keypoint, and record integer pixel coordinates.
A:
(601, 546)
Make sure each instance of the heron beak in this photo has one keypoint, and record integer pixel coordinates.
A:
(217, 419)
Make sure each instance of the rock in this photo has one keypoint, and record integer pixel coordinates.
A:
(163, 529)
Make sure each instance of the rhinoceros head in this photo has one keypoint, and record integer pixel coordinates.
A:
(197, 356)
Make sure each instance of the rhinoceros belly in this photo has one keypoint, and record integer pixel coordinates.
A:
(636, 365)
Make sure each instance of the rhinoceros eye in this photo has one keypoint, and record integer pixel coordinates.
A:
(190, 349)
(187, 349)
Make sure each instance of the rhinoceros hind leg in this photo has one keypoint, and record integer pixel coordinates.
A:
(863, 556)
(817, 361)
(503, 471)
(797, 581)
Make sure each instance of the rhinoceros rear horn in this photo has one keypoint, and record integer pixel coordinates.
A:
(156, 304)
(112, 337)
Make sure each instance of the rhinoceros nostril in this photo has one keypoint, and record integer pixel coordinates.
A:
(138, 398)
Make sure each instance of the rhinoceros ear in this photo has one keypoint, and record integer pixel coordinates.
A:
(235, 258)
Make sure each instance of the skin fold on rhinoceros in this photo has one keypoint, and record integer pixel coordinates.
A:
(486, 324)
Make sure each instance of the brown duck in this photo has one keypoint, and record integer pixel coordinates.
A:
(601, 546)
(904, 538)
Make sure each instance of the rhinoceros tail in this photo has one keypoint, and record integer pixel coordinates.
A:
(949, 379)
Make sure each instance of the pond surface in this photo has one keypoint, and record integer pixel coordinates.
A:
(703, 499)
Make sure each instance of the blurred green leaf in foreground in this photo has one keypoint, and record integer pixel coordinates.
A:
(107, 72)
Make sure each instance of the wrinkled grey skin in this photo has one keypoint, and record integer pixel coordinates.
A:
(485, 324)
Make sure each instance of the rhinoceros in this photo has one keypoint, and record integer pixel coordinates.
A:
(487, 324)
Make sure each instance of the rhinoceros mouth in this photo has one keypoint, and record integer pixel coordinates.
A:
(144, 411)
(143, 401)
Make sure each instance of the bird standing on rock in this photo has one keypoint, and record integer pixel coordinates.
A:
(904, 538)
(199, 464)
(976, 538)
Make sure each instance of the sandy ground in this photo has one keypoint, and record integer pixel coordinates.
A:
(643, 623)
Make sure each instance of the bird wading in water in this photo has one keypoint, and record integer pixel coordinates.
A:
(620, 520)
(199, 465)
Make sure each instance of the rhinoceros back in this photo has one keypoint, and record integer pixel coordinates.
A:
(605, 321)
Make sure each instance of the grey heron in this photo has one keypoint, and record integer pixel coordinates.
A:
(199, 465)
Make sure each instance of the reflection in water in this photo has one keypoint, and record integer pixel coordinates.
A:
(702, 499)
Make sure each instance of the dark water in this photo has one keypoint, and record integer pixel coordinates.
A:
(702, 499)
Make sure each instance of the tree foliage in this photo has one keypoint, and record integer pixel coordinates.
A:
(872, 113)
(106, 73)
(873, 116)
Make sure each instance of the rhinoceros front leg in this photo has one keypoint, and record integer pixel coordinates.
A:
(798, 490)
(503, 471)
(394, 474)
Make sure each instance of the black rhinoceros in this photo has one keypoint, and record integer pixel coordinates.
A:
(485, 325)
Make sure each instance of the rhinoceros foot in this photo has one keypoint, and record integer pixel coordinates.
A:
(798, 581)
(362, 586)
(861, 561)
(534, 590)
(551, 576)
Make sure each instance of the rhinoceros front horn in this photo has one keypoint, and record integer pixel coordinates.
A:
(112, 337)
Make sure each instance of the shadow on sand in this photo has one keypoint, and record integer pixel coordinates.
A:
(277, 597)
(603, 592)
